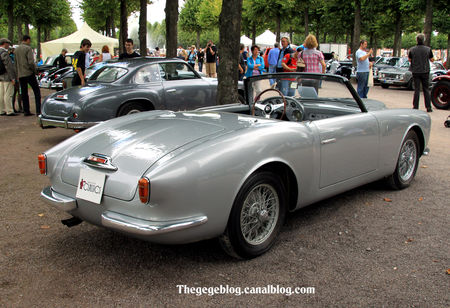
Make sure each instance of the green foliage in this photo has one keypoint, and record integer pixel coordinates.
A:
(190, 16)
(208, 13)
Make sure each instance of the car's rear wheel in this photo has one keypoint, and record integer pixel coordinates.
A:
(407, 162)
(130, 108)
(411, 84)
(384, 86)
(256, 218)
(440, 94)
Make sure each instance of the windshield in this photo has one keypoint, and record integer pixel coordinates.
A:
(390, 61)
(49, 60)
(108, 74)
(305, 87)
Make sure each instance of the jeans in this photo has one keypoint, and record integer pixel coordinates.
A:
(286, 89)
(200, 66)
(362, 78)
(272, 69)
(24, 82)
(424, 80)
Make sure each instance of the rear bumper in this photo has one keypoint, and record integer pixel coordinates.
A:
(65, 123)
(124, 223)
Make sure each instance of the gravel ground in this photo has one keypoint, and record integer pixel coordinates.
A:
(355, 249)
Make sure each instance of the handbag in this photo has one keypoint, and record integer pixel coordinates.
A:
(301, 65)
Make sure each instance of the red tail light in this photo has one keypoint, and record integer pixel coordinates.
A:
(42, 160)
(144, 190)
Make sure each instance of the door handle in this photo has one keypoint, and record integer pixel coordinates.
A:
(327, 141)
(171, 90)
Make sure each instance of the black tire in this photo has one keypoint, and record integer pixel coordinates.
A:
(409, 150)
(130, 108)
(268, 221)
(241, 98)
(384, 86)
(440, 94)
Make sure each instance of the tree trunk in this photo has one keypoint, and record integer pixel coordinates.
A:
(254, 33)
(113, 27)
(229, 32)
(306, 22)
(427, 28)
(27, 29)
(448, 49)
(19, 30)
(46, 34)
(397, 35)
(198, 38)
(356, 29)
(278, 27)
(10, 12)
(171, 28)
(123, 25)
(291, 34)
(143, 27)
(38, 55)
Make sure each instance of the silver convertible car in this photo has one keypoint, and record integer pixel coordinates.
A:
(233, 171)
(129, 86)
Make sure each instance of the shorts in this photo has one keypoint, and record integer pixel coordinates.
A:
(210, 68)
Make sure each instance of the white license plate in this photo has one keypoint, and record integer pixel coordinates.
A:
(90, 185)
(388, 81)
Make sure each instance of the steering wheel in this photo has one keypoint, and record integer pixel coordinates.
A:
(295, 110)
(268, 109)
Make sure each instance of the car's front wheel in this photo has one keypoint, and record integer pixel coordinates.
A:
(256, 217)
(407, 162)
(130, 108)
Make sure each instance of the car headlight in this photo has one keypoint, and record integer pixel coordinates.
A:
(400, 76)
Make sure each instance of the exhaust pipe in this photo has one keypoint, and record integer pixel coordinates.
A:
(71, 221)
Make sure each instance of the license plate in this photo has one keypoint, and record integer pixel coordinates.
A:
(388, 81)
(90, 185)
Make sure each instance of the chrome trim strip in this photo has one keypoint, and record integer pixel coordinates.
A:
(134, 225)
(43, 122)
(57, 200)
(328, 141)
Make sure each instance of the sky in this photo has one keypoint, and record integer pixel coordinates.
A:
(155, 12)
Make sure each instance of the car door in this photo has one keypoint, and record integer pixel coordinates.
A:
(348, 147)
(183, 88)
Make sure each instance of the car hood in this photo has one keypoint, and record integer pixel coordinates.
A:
(133, 144)
(392, 69)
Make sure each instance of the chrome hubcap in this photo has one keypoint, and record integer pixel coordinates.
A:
(133, 111)
(259, 214)
(407, 161)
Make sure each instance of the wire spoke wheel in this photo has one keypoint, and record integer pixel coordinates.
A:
(407, 161)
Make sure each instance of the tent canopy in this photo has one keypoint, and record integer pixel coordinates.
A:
(246, 41)
(266, 39)
(72, 42)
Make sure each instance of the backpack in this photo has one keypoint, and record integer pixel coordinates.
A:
(2, 65)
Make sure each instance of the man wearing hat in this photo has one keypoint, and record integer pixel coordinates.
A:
(7, 79)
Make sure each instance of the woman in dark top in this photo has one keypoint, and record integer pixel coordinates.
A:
(200, 59)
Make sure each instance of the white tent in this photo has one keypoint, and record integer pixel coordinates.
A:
(246, 41)
(266, 39)
(72, 42)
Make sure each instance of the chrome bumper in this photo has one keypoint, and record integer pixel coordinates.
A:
(139, 226)
(121, 222)
(57, 200)
(43, 122)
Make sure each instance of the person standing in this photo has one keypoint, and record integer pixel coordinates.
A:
(289, 65)
(26, 70)
(314, 61)
(419, 56)
(255, 67)
(272, 60)
(241, 62)
(191, 56)
(129, 50)
(157, 52)
(285, 49)
(362, 68)
(105, 55)
(60, 62)
(211, 56)
(16, 92)
(200, 59)
(7, 79)
(79, 63)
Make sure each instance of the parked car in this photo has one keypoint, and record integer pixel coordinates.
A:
(48, 82)
(400, 76)
(233, 171)
(440, 91)
(130, 86)
(385, 62)
(50, 62)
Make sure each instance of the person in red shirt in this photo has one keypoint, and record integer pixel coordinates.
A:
(289, 64)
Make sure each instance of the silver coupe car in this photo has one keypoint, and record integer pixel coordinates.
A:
(233, 171)
(129, 86)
